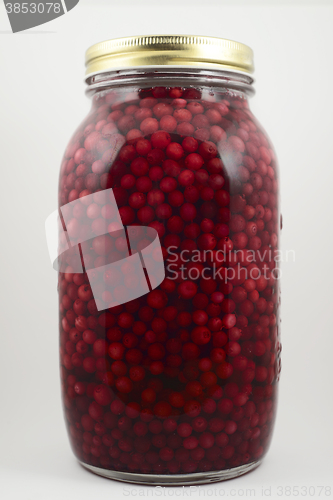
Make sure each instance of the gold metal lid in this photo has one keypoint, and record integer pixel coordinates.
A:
(169, 50)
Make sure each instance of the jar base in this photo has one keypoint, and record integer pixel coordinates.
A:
(173, 479)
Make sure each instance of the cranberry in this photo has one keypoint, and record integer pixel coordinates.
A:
(201, 335)
(102, 395)
(182, 379)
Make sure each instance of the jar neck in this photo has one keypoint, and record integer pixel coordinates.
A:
(211, 80)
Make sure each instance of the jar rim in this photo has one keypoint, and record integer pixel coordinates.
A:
(169, 50)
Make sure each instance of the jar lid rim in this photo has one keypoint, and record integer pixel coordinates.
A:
(169, 50)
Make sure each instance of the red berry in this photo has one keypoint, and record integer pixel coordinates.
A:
(181, 379)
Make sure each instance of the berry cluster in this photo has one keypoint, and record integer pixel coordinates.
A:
(184, 378)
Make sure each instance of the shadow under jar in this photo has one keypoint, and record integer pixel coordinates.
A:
(169, 369)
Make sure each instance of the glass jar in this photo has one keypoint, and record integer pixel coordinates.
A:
(168, 265)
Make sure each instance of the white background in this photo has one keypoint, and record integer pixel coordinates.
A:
(42, 102)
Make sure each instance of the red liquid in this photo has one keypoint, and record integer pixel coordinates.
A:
(184, 378)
